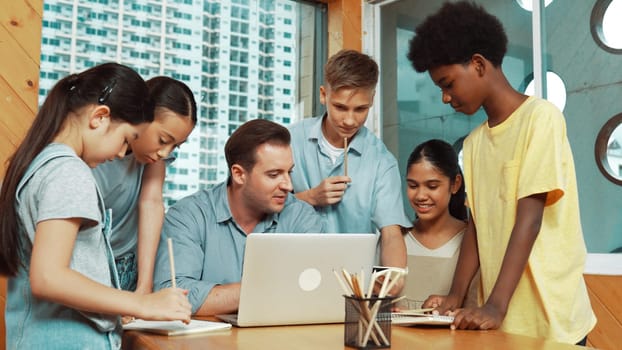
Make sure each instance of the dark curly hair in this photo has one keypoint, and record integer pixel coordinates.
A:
(454, 34)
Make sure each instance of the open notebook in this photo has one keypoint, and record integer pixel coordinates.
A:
(289, 279)
(406, 319)
(176, 327)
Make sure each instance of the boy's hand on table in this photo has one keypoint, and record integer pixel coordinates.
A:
(485, 317)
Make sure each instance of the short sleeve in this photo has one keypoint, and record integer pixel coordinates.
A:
(67, 189)
(388, 207)
(542, 169)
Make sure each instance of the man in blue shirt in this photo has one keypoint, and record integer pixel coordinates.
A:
(209, 228)
(369, 196)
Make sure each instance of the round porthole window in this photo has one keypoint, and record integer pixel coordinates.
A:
(528, 4)
(608, 149)
(457, 146)
(555, 89)
(606, 26)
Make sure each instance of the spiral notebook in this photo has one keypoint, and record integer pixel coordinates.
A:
(171, 328)
(406, 319)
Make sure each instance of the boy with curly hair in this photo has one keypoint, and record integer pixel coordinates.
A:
(524, 232)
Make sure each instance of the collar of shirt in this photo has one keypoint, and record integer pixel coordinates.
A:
(223, 211)
(356, 145)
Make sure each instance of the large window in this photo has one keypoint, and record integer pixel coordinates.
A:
(224, 50)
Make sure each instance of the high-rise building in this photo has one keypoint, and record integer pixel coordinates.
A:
(237, 56)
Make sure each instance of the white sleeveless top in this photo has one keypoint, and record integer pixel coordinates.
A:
(430, 271)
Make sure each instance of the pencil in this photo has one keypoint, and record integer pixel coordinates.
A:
(345, 156)
(342, 284)
(171, 259)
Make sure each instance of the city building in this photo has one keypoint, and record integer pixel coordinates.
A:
(237, 56)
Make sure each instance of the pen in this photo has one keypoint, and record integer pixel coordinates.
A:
(171, 259)
(345, 156)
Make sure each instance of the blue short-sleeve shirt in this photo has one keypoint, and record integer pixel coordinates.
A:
(373, 199)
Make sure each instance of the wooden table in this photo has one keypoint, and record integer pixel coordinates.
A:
(331, 337)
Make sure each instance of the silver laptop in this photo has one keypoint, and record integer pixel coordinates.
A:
(288, 278)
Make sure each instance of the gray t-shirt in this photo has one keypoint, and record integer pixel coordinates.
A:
(64, 188)
(59, 185)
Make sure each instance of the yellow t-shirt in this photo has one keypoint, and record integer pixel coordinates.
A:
(528, 154)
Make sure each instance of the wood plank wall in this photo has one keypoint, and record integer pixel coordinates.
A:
(344, 25)
(20, 45)
(605, 294)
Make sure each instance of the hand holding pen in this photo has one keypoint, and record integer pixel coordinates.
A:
(329, 191)
(169, 303)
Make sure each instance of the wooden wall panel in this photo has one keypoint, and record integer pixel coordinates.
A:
(37, 6)
(17, 115)
(19, 69)
(24, 23)
(20, 45)
(605, 294)
(344, 25)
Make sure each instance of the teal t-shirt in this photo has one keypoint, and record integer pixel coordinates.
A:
(120, 182)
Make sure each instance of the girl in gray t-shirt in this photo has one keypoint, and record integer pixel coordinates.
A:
(54, 230)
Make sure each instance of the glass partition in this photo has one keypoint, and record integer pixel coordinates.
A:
(577, 41)
(411, 107)
(592, 75)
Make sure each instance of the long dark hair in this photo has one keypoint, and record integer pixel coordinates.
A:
(174, 95)
(111, 84)
(440, 154)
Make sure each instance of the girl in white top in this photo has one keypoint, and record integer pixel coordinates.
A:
(435, 190)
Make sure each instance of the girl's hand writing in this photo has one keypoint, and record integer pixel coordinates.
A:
(166, 305)
(139, 290)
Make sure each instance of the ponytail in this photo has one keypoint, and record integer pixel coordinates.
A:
(112, 84)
